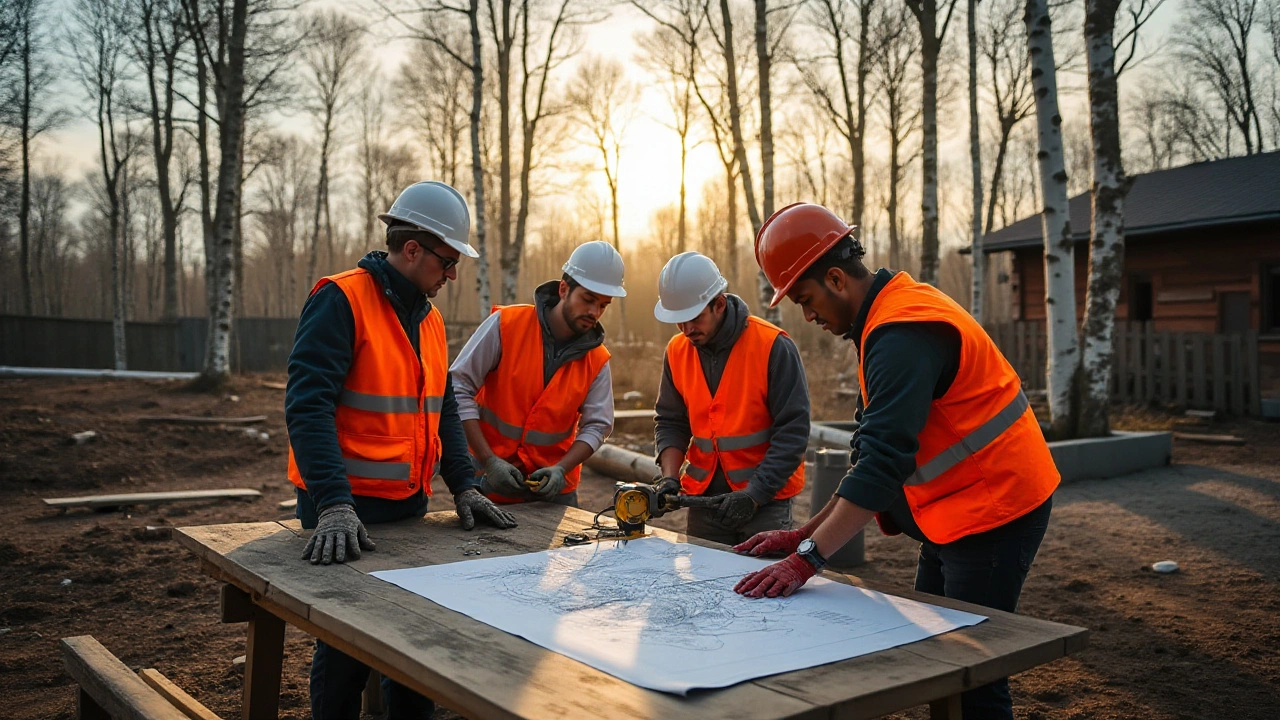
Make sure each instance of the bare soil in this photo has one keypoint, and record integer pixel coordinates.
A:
(1201, 643)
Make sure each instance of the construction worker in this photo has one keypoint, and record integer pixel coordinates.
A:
(948, 451)
(371, 412)
(733, 402)
(531, 423)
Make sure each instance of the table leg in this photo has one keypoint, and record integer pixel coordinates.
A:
(264, 656)
(947, 708)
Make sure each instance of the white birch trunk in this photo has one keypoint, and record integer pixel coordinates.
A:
(1059, 262)
(231, 110)
(119, 349)
(477, 160)
(1106, 255)
(975, 158)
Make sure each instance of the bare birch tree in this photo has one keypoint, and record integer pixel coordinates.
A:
(979, 271)
(932, 35)
(1106, 248)
(604, 103)
(1059, 263)
(29, 108)
(100, 48)
(158, 37)
(843, 27)
(897, 45)
(332, 59)
(1216, 42)
(671, 51)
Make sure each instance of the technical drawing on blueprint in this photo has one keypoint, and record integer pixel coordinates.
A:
(663, 615)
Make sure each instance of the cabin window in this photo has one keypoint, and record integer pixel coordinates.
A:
(1141, 299)
(1271, 298)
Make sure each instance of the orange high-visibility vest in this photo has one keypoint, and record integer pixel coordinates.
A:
(982, 460)
(731, 430)
(529, 423)
(388, 415)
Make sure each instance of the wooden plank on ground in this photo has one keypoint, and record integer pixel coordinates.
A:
(176, 696)
(1209, 439)
(1219, 373)
(196, 420)
(153, 498)
(111, 684)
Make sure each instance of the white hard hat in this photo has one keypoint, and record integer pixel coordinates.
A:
(687, 283)
(438, 209)
(597, 267)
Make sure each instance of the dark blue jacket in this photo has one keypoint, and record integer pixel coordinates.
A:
(322, 354)
(907, 366)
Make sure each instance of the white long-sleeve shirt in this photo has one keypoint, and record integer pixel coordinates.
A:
(481, 355)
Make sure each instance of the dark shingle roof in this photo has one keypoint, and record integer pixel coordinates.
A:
(1217, 192)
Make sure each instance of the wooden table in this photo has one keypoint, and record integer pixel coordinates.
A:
(483, 672)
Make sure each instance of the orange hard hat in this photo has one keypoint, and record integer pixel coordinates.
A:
(792, 239)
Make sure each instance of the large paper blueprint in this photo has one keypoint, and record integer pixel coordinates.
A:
(664, 615)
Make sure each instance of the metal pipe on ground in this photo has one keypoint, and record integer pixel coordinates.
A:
(29, 372)
(622, 464)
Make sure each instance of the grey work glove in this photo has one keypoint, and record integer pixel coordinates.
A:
(503, 478)
(470, 503)
(550, 479)
(668, 488)
(338, 535)
(735, 509)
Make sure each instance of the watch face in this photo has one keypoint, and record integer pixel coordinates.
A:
(806, 546)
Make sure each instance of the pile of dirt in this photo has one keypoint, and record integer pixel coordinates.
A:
(1201, 643)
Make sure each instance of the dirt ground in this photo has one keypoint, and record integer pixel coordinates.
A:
(1201, 643)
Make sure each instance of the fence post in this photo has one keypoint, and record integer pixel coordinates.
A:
(1166, 384)
(1200, 381)
(1253, 374)
(1219, 373)
(1237, 364)
(1121, 343)
(1180, 367)
(1149, 340)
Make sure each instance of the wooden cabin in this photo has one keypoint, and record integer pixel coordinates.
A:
(1202, 254)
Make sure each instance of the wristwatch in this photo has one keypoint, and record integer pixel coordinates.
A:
(808, 550)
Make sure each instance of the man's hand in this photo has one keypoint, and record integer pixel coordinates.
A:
(735, 509)
(781, 578)
(668, 488)
(503, 478)
(339, 533)
(550, 479)
(771, 543)
(470, 502)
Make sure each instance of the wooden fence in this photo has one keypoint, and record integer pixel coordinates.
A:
(1194, 370)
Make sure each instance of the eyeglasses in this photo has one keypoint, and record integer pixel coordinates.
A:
(445, 262)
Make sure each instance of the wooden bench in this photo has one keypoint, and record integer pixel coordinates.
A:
(109, 689)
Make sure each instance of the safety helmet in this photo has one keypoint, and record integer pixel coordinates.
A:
(597, 267)
(687, 283)
(438, 209)
(792, 239)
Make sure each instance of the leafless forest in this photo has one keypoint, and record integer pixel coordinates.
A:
(164, 158)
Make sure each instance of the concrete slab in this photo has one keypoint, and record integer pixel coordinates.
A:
(1120, 454)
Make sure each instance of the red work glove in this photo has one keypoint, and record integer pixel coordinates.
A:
(781, 578)
(771, 543)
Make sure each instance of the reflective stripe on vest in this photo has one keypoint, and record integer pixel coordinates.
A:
(982, 459)
(377, 470)
(732, 427)
(973, 442)
(515, 432)
(389, 403)
(530, 420)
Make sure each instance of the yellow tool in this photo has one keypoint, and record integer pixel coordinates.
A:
(633, 505)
